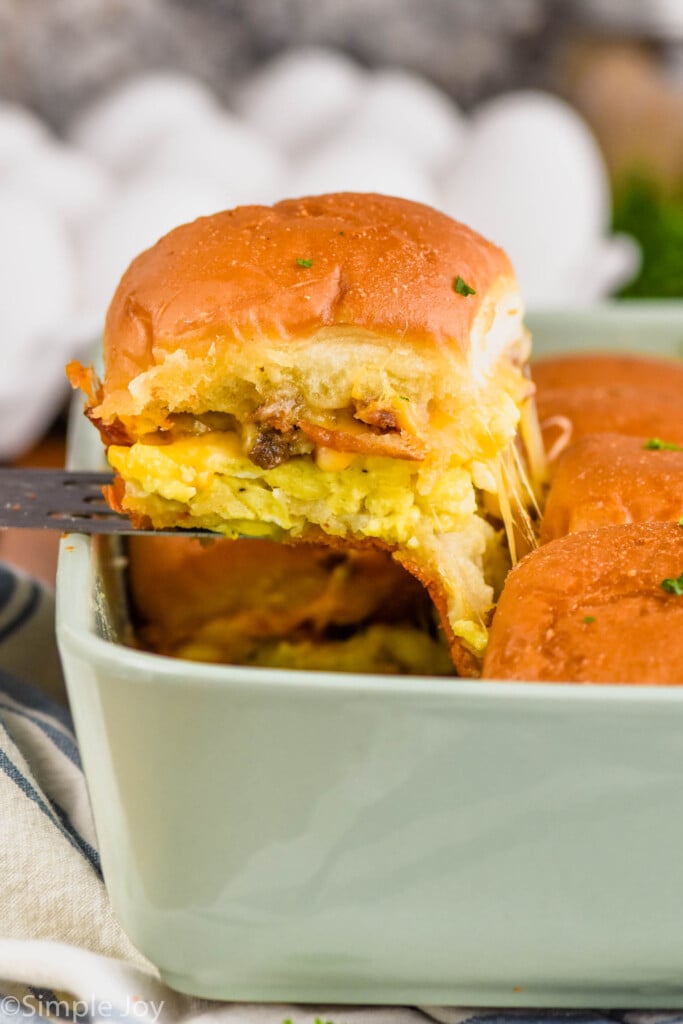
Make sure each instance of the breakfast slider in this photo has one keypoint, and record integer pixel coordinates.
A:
(578, 395)
(304, 606)
(340, 368)
(612, 479)
(601, 606)
(568, 414)
(609, 369)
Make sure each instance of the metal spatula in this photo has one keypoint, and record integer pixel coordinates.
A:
(59, 499)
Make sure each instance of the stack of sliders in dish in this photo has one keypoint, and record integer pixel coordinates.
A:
(305, 606)
(602, 598)
(343, 369)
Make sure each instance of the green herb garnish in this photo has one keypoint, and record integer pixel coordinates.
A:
(673, 586)
(655, 444)
(653, 215)
(462, 287)
(588, 619)
(404, 398)
(304, 263)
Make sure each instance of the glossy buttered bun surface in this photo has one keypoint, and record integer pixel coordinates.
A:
(598, 606)
(582, 394)
(243, 283)
(343, 366)
(613, 479)
(609, 369)
(576, 412)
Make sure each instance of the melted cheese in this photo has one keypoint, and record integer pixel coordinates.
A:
(427, 508)
(206, 482)
(373, 496)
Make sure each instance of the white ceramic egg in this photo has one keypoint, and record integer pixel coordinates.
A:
(64, 179)
(21, 134)
(38, 274)
(299, 96)
(361, 165)
(406, 111)
(37, 267)
(614, 262)
(126, 124)
(532, 179)
(226, 151)
(33, 386)
(138, 216)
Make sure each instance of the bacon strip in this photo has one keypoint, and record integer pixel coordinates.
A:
(85, 379)
(366, 442)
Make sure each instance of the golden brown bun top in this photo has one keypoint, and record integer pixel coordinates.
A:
(590, 607)
(612, 479)
(583, 394)
(609, 370)
(383, 264)
(636, 412)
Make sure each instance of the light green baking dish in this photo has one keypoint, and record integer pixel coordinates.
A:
(301, 836)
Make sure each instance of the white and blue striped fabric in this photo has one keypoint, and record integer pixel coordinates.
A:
(63, 956)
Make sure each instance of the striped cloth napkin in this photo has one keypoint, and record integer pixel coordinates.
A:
(63, 956)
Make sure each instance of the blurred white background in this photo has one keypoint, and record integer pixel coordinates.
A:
(154, 148)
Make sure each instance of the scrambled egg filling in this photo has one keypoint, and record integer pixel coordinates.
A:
(208, 482)
(386, 648)
(221, 488)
